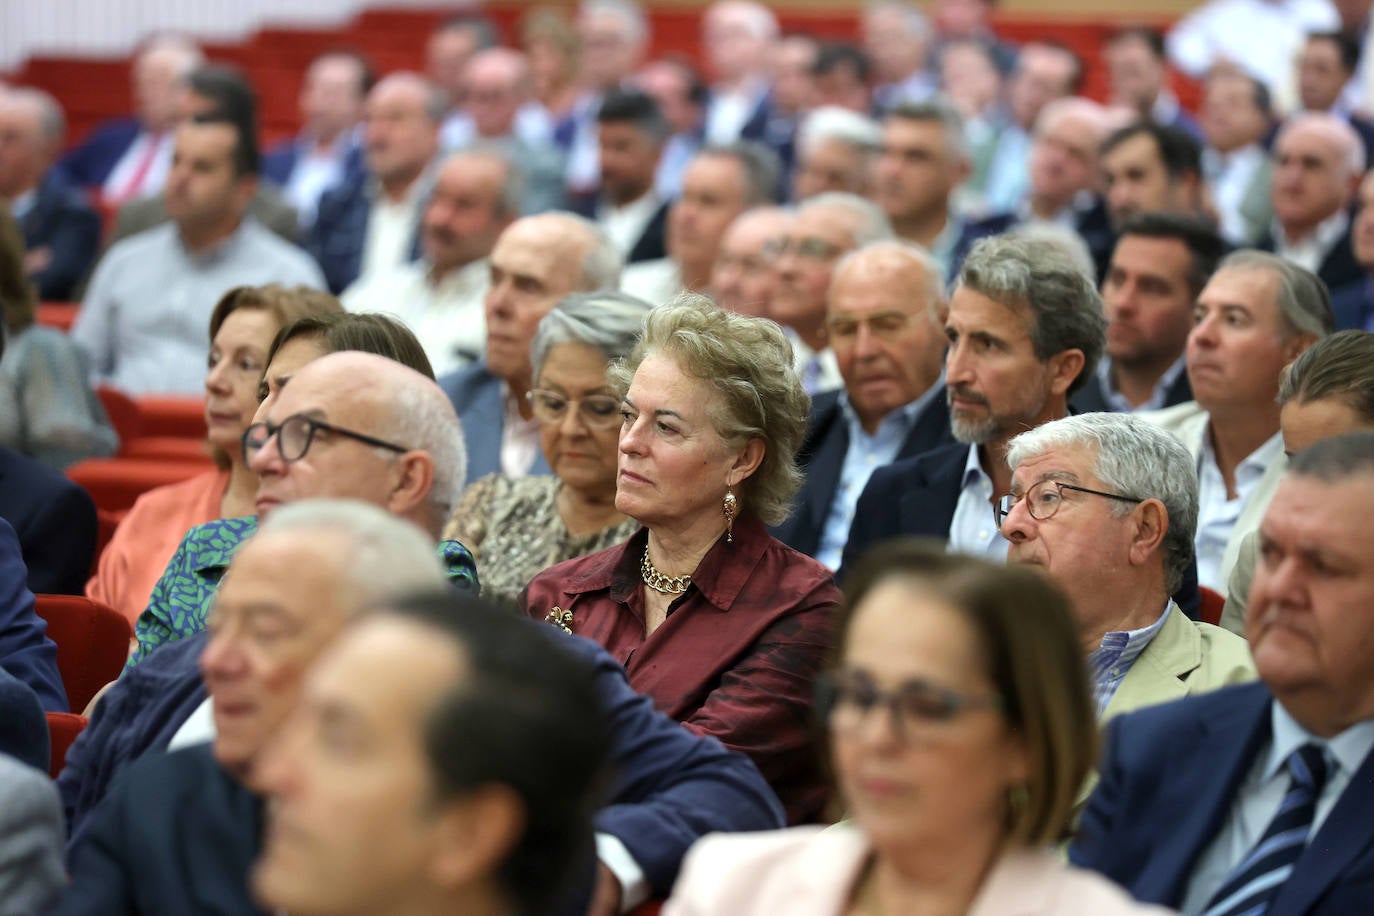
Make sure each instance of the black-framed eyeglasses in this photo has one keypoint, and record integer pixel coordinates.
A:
(599, 411)
(1044, 498)
(295, 434)
(844, 699)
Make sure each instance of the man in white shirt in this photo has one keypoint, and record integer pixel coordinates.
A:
(1318, 163)
(1256, 315)
(615, 36)
(373, 224)
(737, 36)
(924, 157)
(476, 196)
(631, 132)
(1236, 114)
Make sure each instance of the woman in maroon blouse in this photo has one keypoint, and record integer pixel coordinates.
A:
(723, 625)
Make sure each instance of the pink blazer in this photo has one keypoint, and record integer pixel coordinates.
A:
(810, 871)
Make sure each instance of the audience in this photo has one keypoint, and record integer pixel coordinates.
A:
(61, 231)
(1149, 168)
(242, 328)
(924, 158)
(372, 224)
(1025, 331)
(842, 75)
(447, 52)
(536, 262)
(722, 625)
(552, 47)
(1325, 66)
(631, 133)
(1186, 836)
(885, 323)
(676, 86)
(735, 39)
(328, 150)
(720, 183)
(476, 196)
(959, 728)
(144, 316)
(130, 157)
(897, 38)
(1236, 117)
(824, 229)
(517, 527)
(1138, 78)
(1256, 314)
(48, 410)
(1327, 391)
(743, 276)
(835, 151)
(614, 36)
(1159, 266)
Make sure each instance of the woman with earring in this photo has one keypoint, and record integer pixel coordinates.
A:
(724, 626)
(960, 727)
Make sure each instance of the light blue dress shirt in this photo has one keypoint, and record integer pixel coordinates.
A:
(1118, 402)
(973, 530)
(864, 456)
(1260, 794)
(1109, 662)
(1217, 514)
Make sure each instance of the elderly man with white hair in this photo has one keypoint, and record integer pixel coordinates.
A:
(835, 152)
(1318, 163)
(1106, 505)
(61, 230)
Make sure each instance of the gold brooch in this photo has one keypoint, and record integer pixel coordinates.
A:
(560, 618)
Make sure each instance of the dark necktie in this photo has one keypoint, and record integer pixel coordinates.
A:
(1256, 881)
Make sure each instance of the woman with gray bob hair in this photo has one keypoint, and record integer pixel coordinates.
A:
(712, 417)
(517, 527)
(1134, 457)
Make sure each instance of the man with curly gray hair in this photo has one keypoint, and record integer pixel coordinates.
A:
(1025, 331)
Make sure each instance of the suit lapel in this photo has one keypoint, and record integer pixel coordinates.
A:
(1343, 836)
(927, 508)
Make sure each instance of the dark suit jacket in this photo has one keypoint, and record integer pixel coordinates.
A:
(54, 520)
(177, 835)
(1353, 305)
(26, 652)
(1091, 399)
(1170, 774)
(23, 725)
(339, 233)
(1338, 269)
(267, 207)
(476, 396)
(89, 164)
(822, 458)
(650, 244)
(1092, 225)
(63, 222)
(280, 161)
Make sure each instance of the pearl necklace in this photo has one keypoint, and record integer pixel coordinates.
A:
(664, 585)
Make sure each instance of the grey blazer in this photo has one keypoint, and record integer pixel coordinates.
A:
(267, 207)
(31, 839)
(476, 396)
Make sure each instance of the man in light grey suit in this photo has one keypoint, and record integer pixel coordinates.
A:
(31, 838)
(537, 261)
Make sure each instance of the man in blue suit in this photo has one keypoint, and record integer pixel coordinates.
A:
(1025, 329)
(537, 261)
(1353, 304)
(1258, 799)
(885, 324)
(26, 652)
(61, 230)
(55, 521)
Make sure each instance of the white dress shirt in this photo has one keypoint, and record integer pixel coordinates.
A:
(391, 228)
(974, 530)
(1231, 175)
(519, 438)
(728, 112)
(625, 224)
(120, 186)
(1312, 249)
(656, 281)
(447, 316)
(1217, 513)
(1260, 794)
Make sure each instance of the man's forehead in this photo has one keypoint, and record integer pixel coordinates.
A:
(1067, 462)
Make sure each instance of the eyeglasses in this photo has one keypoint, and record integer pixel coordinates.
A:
(813, 249)
(844, 700)
(294, 435)
(598, 411)
(1044, 498)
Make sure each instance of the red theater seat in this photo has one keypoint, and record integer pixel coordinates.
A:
(92, 643)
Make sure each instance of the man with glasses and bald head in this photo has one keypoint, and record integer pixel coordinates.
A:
(1106, 505)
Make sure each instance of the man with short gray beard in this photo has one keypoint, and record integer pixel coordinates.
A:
(1025, 330)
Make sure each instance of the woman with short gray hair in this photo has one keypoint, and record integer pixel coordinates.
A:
(517, 527)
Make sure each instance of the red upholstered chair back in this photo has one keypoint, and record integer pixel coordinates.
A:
(1212, 603)
(92, 643)
(63, 727)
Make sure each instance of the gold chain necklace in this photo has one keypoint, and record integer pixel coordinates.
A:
(664, 585)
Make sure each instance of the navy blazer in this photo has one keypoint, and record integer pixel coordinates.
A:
(1338, 269)
(1091, 399)
(476, 396)
(822, 459)
(280, 161)
(25, 649)
(54, 520)
(651, 244)
(339, 233)
(90, 163)
(1353, 305)
(63, 222)
(1169, 777)
(23, 725)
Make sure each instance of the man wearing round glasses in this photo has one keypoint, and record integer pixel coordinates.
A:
(1106, 504)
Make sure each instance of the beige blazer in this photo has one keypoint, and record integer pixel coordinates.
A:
(1188, 423)
(1238, 586)
(810, 871)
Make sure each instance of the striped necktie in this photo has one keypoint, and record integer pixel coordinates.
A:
(1256, 881)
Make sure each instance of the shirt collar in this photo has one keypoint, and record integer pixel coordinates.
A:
(1255, 463)
(1122, 647)
(1157, 396)
(1349, 749)
(973, 469)
(1323, 237)
(905, 416)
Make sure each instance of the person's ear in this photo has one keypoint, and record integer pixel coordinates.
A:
(413, 482)
(1151, 525)
(746, 462)
(1064, 368)
(475, 834)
